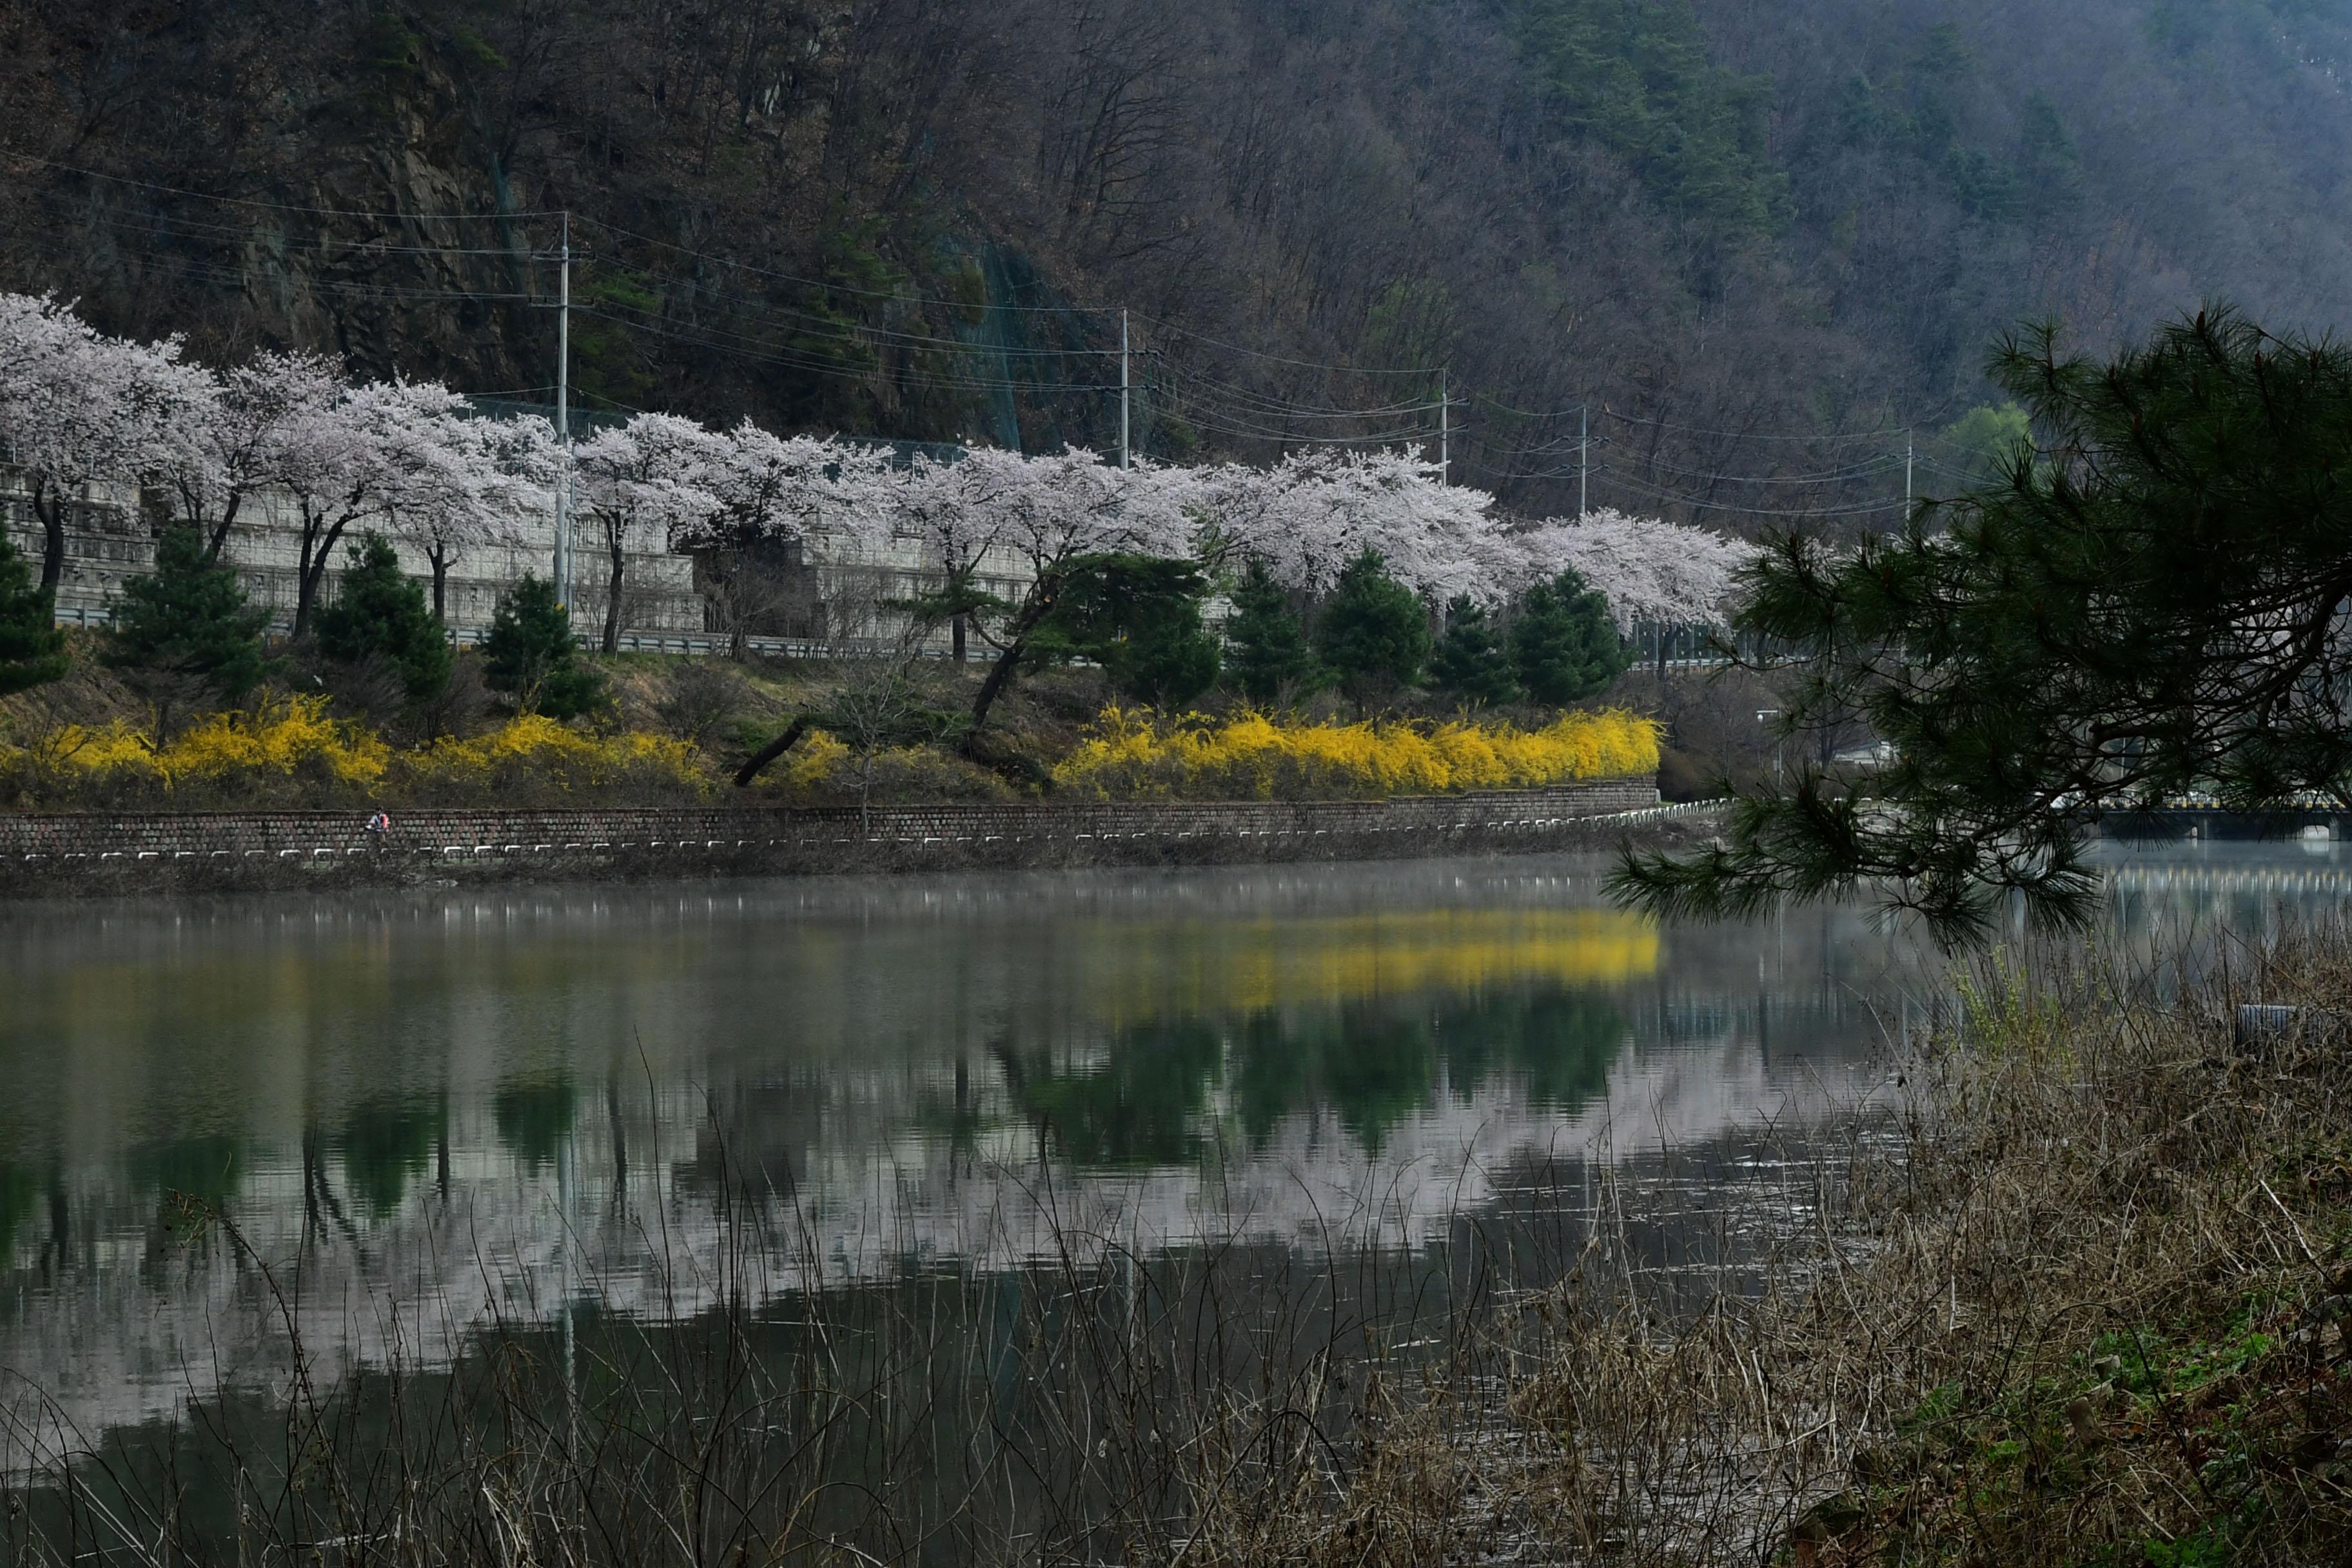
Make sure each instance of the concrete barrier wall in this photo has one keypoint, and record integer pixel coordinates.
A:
(59, 839)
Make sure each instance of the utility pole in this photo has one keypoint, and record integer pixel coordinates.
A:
(1445, 432)
(563, 427)
(1583, 458)
(1906, 475)
(1125, 385)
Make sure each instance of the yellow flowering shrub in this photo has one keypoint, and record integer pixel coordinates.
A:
(532, 753)
(291, 738)
(1129, 756)
(822, 771)
(292, 751)
(813, 762)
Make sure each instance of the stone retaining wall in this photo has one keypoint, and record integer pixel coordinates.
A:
(38, 842)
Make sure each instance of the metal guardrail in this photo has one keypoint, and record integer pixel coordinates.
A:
(692, 645)
(705, 644)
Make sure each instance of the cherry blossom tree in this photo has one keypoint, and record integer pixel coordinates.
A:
(646, 482)
(942, 504)
(465, 482)
(225, 448)
(78, 408)
(766, 489)
(370, 450)
(1313, 512)
(1648, 570)
(323, 460)
(1050, 512)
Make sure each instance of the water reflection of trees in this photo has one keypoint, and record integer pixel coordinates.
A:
(533, 1118)
(384, 1147)
(1150, 1098)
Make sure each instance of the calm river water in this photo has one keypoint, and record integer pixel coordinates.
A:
(433, 1111)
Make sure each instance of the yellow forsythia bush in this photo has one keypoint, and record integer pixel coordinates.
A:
(290, 751)
(822, 771)
(293, 739)
(812, 765)
(1128, 756)
(530, 753)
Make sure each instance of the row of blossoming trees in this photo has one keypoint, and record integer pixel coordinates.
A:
(335, 455)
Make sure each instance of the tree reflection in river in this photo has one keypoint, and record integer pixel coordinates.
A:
(1153, 1096)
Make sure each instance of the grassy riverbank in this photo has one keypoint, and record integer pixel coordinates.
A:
(2081, 1297)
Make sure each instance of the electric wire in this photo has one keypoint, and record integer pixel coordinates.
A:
(1469, 460)
(185, 268)
(1826, 477)
(1746, 435)
(1278, 408)
(899, 296)
(719, 337)
(165, 226)
(1227, 425)
(1241, 420)
(773, 354)
(1208, 419)
(1491, 401)
(1628, 482)
(1279, 359)
(851, 328)
(271, 207)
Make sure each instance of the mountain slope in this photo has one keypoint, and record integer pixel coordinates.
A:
(1706, 222)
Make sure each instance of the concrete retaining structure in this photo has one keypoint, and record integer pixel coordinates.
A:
(45, 851)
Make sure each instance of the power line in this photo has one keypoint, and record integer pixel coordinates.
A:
(1280, 408)
(722, 338)
(1655, 493)
(1746, 435)
(1496, 402)
(829, 286)
(1279, 359)
(271, 207)
(1826, 477)
(199, 270)
(1236, 425)
(1495, 472)
(167, 227)
(853, 328)
(776, 354)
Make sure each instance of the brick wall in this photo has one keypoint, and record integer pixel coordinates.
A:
(35, 840)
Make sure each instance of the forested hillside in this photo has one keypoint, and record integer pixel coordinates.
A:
(1756, 241)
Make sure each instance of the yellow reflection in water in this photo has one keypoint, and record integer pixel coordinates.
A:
(1248, 966)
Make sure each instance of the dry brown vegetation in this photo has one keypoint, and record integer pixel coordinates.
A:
(2084, 1300)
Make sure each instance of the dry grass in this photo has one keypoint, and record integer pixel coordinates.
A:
(2083, 1301)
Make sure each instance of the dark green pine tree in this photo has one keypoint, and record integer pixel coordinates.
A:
(1270, 661)
(1471, 665)
(528, 654)
(1564, 646)
(182, 633)
(2146, 603)
(380, 612)
(1137, 616)
(32, 648)
(1170, 659)
(1375, 633)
